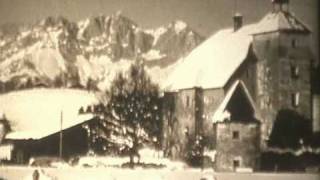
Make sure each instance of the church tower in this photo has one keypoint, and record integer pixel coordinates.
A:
(281, 42)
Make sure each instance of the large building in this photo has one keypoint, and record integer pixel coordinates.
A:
(230, 89)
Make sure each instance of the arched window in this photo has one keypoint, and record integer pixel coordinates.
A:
(294, 71)
(295, 97)
(187, 101)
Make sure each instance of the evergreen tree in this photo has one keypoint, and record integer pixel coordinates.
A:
(290, 130)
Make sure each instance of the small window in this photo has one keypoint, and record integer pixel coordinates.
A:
(262, 104)
(236, 163)
(206, 100)
(294, 43)
(294, 71)
(186, 131)
(268, 73)
(295, 99)
(197, 109)
(235, 135)
(188, 101)
(268, 44)
(268, 101)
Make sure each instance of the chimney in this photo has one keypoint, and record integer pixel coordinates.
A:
(237, 21)
(280, 5)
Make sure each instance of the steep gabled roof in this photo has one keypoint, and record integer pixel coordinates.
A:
(212, 63)
(280, 21)
(220, 113)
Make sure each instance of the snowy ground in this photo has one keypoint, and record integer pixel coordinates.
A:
(105, 168)
(24, 173)
(151, 166)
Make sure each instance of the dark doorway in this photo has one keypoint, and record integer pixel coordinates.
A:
(236, 164)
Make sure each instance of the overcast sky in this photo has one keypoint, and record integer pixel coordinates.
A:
(205, 16)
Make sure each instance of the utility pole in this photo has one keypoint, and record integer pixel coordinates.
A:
(61, 136)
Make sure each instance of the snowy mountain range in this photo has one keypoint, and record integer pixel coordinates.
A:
(56, 52)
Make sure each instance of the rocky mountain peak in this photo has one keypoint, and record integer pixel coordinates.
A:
(54, 22)
(57, 50)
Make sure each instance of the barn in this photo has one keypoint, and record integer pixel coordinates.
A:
(61, 139)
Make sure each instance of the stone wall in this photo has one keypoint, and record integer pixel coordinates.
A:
(266, 48)
(211, 100)
(182, 111)
(316, 113)
(295, 58)
(237, 142)
(283, 75)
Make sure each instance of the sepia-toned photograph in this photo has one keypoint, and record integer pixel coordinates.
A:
(159, 90)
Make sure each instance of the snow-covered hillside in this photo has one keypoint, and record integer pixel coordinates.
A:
(56, 52)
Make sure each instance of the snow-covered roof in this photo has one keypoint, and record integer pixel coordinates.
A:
(51, 128)
(280, 21)
(34, 114)
(220, 113)
(212, 63)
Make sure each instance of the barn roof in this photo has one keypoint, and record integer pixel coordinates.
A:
(49, 129)
(280, 21)
(36, 113)
(211, 64)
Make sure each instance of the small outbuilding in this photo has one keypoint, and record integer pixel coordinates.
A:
(62, 139)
